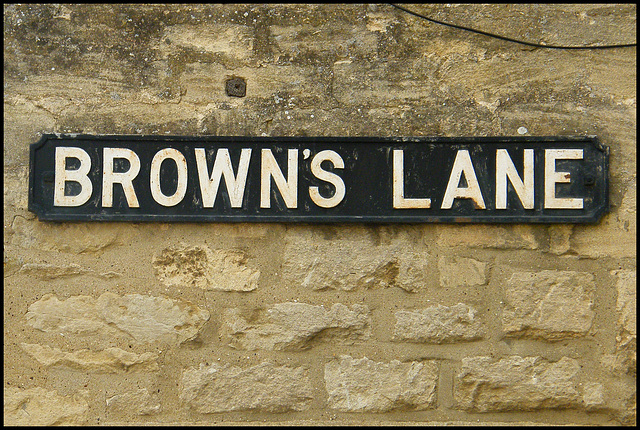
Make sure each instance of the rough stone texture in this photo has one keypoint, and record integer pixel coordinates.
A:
(265, 387)
(50, 271)
(46, 271)
(293, 326)
(139, 402)
(615, 236)
(626, 304)
(438, 324)
(16, 189)
(462, 272)
(550, 304)
(516, 236)
(516, 383)
(109, 360)
(624, 360)
(133, 316)
(205, 268)
(40, 407)
(594, 396)
(72, 238)
(560, 238)
(363, 385)
(316, 70)
(347, 262)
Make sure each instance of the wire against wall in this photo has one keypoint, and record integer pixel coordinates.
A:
(508, 39)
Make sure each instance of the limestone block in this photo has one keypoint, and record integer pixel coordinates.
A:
(516, 384)
(550, 304)
(459, 271)
(363, 385)
(74, 238)
(265, 387)
(615, 236)
(200, 266)
(438, 324)
(139, 402)
(594, 396)
(295, 41)
(351, 261)
(626, 302)
(16, 187)
(47, 271)
(517, 236)
(109, 360)
(40, 407)
(134, 317)
(292, 326)
(230, 40)
(24, 123)
(624, 361)
(51, 271)
(560, 238)
(204, 83)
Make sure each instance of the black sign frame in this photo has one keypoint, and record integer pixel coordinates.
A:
(367, 177)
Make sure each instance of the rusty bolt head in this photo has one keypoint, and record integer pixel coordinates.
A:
(236, 87)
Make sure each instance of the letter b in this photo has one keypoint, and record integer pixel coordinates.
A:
(62, 176)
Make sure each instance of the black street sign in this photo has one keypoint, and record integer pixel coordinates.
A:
(559, 179)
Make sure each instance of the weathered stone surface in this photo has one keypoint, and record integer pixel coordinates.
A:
(16, 187)
(51, 271)
(516, 384)
(133, 316)
(626, 302)
(40, 407)
(139, 402)
(550, 304)
(19, 134)
(352, 261)
(74, 238)
(515, 236)
(199, 266)
(109, 360)
(291, 326)
(318, 70)
(462, 272)
(438, 324)
(615, 236)
(624, 361)
(47, 271)
(594, 396)
(560, 238)
(363, 385)
(265, 387)
(234, 41)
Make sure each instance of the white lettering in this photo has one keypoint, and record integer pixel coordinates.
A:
(222, 167)
(332, 178)
(463, 165)
(109, 177)
(154, 180)
(506, 169)
(551, 178)
(288, 188)
(399, 201)
(62, 175)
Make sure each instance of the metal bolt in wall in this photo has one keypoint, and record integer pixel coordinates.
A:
(236, 87)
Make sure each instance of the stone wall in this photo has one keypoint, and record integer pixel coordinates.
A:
(138, 323)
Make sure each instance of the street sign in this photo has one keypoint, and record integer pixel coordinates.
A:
(558, 179)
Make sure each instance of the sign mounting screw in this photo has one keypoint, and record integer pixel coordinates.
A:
(236, 87)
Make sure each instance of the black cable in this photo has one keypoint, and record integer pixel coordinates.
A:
(537, 45)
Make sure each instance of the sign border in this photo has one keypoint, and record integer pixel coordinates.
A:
(592, 217)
